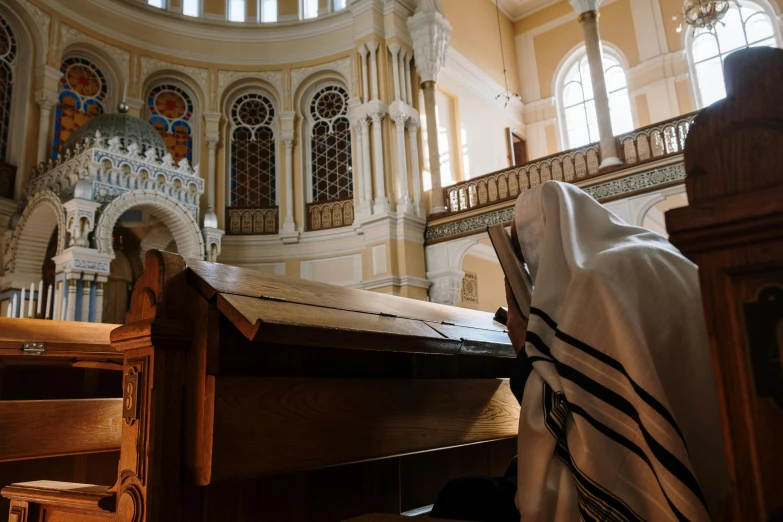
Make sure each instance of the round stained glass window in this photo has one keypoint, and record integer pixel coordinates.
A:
(171, 105)
(253, 112)
(330, 105)
(83, 80)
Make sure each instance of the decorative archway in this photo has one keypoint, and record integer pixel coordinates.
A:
(31, 237)
(180, 222)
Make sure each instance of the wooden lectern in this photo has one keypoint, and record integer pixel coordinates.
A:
(251, 397)
(733, 229)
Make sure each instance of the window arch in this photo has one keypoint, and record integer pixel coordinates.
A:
(576, 102)
(253, 162)
(749, 25)
(8, 52)
(83, 89)
(330, 145)
(171, 113)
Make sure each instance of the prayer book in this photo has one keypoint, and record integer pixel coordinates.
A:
(513, 267)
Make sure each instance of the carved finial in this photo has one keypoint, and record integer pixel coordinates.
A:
(123, 108)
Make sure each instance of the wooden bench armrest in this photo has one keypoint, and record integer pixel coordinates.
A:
(66, 495)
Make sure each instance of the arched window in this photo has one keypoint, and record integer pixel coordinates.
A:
(83, 90)
(330, 145)
(267, 11)
(191, 7)
(577, 103)
(748, 25)
(8, 52)
(171, 111)
(236, 10)
(253, 152)
(309, 9)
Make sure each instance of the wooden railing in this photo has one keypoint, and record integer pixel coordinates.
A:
(251, 220)
(330, 214)
(646, 144)
(655, 141)
(7, 180)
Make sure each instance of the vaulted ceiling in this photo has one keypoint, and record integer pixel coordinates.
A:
(516, 9)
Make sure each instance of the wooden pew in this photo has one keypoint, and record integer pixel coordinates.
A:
(248, 394)
(733, 229)
(72, 428)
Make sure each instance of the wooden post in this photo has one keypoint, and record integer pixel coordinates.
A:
(733, 229)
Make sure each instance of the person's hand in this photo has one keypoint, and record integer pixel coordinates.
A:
(516, 323)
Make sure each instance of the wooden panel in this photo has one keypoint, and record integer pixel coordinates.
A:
(270, 426)
(282, 322)
(33, 429)
(211, 278)
(62, 339)
(86, 502)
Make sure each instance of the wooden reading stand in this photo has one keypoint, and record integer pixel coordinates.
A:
(249, 396)
(733, 229)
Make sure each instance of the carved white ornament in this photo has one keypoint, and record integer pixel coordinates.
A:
(42, 19)
(430, 32)
(70, 35)
(151, 65)
(26, 257)
(342, 66)
(227, 78)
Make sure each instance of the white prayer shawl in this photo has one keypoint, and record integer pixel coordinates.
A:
(622, 378)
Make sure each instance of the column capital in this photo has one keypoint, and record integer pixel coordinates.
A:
(363, 50)
(394, 49)
(377, 117)
(212, 139)
(372, 46)
(431, 33)
(399, 118)
(585, 6)
(289, 143)
(46, 99)
(212, 118)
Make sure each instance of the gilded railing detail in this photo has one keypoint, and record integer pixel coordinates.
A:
(251, 220)
(330, 214)
(656, 141)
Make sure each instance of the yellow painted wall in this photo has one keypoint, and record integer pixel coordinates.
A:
(642, 110)
(685, 98)
(537, 19)
(491, 286)
(217, 7)
(287, 7)
(475, 36)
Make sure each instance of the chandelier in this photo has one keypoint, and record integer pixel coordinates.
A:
(704, 14)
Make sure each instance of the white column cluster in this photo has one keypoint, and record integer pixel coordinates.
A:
(287, 135)
(46, 101)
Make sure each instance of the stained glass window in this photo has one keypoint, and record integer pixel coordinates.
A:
(253, 152)
(746, 25)
(330, 145)
(579, 104)
(171, 112)
(82, 93)
(8, 52)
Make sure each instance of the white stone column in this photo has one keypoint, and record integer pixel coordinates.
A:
(408, 84)
(404, 204)
(86, 285)
(288, 224)
(381, 202)
(365, 79)
(70, 310)
(372, 46)
(413, 140)
(366, 165)
(46, 101)
(588, 17)
(394, 49)
(431, 32)
(212, 128)
(98, 315)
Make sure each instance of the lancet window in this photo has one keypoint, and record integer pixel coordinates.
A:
(8, 52)
(171, 113)
(577, 103)
(83, 89)
(745, 25)
(330, 145)
(253, 155)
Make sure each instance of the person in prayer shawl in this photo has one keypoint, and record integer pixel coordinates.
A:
(619, 417)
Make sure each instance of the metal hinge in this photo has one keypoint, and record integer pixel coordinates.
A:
(272, 298)
(31, 348)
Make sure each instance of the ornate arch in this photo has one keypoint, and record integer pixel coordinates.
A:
(175, 216)
(30, 239)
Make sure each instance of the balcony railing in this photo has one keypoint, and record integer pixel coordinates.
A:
(646, 144)
(330, 214)
(251, 220)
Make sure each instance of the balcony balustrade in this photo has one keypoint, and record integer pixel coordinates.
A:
(330, 214)
(251, 220)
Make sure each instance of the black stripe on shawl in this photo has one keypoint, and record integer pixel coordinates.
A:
(630, 446)
(613, 363)
(670, 462)
(595, 502)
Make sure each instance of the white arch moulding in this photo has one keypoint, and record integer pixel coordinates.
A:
(182, 225)
(30, 239)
